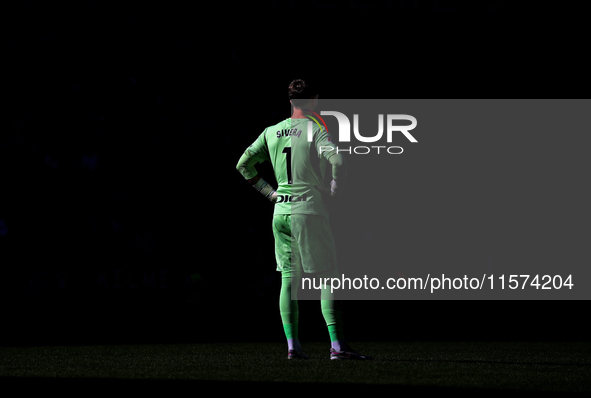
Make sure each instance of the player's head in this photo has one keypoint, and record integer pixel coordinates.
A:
(303, 94)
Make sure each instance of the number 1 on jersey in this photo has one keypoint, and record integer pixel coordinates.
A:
(287, 152)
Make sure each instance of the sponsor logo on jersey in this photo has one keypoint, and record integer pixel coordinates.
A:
(289, 133)
(291, 198)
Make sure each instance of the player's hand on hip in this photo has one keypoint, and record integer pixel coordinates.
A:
(265, 189)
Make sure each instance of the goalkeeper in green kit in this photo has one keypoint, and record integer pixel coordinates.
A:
(298, 149)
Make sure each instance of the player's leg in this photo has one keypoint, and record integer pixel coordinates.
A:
(318, 256)
(289, 312)
(332, 311)
(288, 265)
(333, 315)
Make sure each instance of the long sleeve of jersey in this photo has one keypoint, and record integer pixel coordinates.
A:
(339, 166)
(246, 165)
(256, 153)
(324, 143)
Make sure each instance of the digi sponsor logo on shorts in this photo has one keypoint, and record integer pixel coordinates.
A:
(291, 198)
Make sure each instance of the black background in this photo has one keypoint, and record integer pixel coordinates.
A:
(124, 219)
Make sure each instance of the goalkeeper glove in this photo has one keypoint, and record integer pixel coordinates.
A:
(266, 190)
(333, 187)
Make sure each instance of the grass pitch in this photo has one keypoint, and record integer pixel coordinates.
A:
(470, 367)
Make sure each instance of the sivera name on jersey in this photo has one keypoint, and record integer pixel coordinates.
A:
(289, 133)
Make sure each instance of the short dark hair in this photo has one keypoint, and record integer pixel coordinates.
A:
(301, 91)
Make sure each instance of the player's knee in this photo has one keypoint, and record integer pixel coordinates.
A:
(331, 273)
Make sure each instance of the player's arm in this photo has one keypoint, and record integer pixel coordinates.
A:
(326, 148)
(246, 166)
(339, 168)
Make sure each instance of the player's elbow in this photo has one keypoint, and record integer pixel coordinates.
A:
(337, 160)
(242, 165)
(240, 168)
(246, 170)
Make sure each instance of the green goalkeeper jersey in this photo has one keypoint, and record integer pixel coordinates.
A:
(298, 149)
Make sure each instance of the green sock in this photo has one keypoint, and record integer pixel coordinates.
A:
(335, 324)
(288, 308)
(291, 330)
(332, 331)
(332, 312)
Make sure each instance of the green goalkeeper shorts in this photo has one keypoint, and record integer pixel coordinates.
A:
(303, 242)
